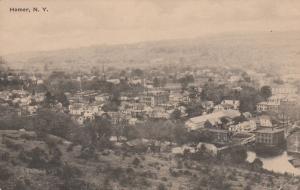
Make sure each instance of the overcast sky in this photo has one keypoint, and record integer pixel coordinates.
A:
(72, 23)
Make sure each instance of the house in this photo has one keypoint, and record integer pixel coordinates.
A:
(269, 136)
(234, 78)
(88, 115)
(39, 97)
(175, 98)
(159, 113)
(232, 104)
(32, 109)
(247, 115)
(4, 95)
(114, 81)
(117, 118)
(101, 98)
(277, 98)
(132, 121)
(209, 148)
(267, 106)
(218, 108)
(79, 119)
(207, 105)
(135, 82)
(76, 108)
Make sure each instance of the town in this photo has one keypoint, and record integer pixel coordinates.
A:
(179, 109)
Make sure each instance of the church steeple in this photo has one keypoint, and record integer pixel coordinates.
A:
(103, 72)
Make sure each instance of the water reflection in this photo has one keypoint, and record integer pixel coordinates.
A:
(278, 163)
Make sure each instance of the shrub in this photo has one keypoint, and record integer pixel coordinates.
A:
(248, 187)
(129, 170)
(116, 173)
(39, 158)
(56, 157)
(149, 174)
(4, 156)
(27, 136)
(161, 186)
(5, 173)
(88, 153)
(69, 172)
(11, 145)
(136, 162)
(77, 184)
(70, 147)
(22, 184)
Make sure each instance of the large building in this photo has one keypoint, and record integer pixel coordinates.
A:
(214, 118)
(284, 89)
(154, 98)
(220, 136)
(269, 136)
(293, 143)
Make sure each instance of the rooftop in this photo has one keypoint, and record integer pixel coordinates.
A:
(270, 130)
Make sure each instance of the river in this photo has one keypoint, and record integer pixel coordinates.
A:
(278, 163)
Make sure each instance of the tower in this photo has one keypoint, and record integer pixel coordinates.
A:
(103, 72)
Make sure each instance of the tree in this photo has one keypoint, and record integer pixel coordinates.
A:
(213, 92)
(266, 92)
(103, 130)
(55, 123)
(257, 164)
(249, 97)
(137, 72)
(176, 114)
(194, 109)
(49, 99)
(184, 81)
(207, 124)
(62, 98)
(156, 82)
(193, 92)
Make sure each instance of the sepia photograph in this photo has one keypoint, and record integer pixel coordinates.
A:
(149, 95)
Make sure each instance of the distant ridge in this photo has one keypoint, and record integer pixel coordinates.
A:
(263, 51)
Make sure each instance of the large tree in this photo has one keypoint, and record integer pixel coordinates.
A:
(266, 92)
(249, 97)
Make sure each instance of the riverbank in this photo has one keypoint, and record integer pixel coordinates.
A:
(279, 163)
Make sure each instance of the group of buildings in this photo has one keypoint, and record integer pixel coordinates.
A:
(223, 121)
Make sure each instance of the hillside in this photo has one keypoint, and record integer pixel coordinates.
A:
(30, 163)
(277, 50)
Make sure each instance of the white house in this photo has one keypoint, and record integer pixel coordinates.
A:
(235, 104)
(76, 109)
(265, 121)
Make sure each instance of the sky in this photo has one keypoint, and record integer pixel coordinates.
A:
(76, 23)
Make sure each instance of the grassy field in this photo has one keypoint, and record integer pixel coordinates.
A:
(55, 164)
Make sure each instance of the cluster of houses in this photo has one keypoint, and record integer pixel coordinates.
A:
(223, 120)
(25, 102)
(151, 104)
(283, 94)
